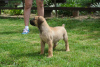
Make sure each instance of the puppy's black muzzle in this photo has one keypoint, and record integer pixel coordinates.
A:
(32, 23)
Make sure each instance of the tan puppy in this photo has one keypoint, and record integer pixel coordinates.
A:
(50, 35)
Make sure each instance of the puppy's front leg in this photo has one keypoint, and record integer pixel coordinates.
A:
(50, 50)
(42, 47)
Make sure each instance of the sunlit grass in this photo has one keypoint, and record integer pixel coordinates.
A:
(17, 50)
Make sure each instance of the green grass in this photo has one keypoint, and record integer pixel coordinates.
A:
(17, 50)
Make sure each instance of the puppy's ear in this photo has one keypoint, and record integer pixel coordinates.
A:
(40, 19)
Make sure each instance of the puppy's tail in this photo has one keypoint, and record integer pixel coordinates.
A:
(63, 25)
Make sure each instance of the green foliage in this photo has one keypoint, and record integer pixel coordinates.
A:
(5, 11)
(71, 4)
(48, 3)
(84, 12)
(34, 3)
(96, 5)
(16, 12)
(13, 12)
(68, 12)
(84, 3)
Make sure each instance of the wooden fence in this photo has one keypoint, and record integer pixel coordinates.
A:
(4, 2)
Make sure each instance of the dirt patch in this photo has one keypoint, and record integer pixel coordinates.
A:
(33, 15)
(15, 16)
(87, 17)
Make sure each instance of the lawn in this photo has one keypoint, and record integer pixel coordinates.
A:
(17, 50)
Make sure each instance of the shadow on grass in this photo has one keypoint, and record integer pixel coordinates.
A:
(56, 49)
(35, 54)
(10, 32)
(32, 31)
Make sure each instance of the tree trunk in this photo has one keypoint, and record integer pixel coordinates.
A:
(75, 13)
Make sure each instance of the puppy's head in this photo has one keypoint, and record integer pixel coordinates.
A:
(37, 21)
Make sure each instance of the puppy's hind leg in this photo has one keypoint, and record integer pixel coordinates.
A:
(66, 42)
(42, 47)
(54, 46)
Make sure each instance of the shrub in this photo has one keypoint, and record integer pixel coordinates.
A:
(96, 5)
(5, 11)
(16, 12)
(68, 12)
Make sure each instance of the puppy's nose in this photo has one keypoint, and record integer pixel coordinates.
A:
(32, 23)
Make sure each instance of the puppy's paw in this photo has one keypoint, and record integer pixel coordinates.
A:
(67, 50)
(49, 56)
